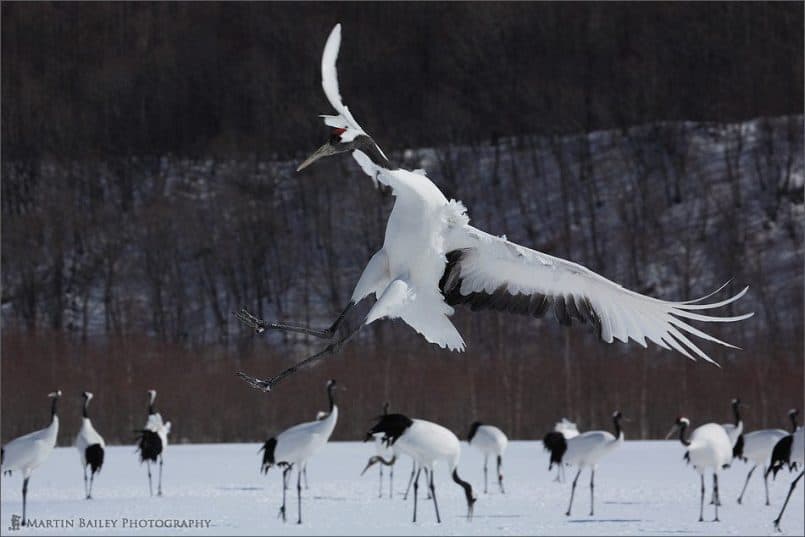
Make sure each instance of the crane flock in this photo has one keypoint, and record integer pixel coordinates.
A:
(431, 261)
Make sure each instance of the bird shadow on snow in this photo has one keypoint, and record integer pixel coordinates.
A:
(240, 488)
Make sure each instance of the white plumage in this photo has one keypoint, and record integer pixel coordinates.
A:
(757, 448)
(708, 448)
(567, 428)
(428, 444)
(294, 446)
(153, 441)
(432, 259)
(90, 445)
(26, 453)
(585, 450)
(489, 440)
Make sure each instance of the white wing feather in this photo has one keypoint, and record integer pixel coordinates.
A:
(490, 264)
(329, 82)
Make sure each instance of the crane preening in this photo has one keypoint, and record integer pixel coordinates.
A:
(427, 443)
(432, 260)
(28, 452)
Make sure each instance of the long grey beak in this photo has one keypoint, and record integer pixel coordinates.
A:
(324, 151)
(672, 431)
(369, 464)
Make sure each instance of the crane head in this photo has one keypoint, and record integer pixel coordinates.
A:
(152, 395)
(340, 141)
(55, 395)
(87, 396)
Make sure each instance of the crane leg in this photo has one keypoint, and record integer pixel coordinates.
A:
(150, 487)
(788, 497)
(416, 488)
(380, 487)
(304, 474)
(91, 481)
(500, 474)
(299, 495)
(486, 460)
(433, 495)
(86, 490)
(410, 480)
(285, 472)
(24, 499)
(427, 473)
(391, 482)
(332, 348)
(740, 498)
(159, 487)
(715, 491)
(260, 326)
(701, 503)
(592, 488)
(573, 491)
(766, 485)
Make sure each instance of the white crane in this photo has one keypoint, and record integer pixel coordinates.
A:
(385, 455)
(428, 444)
(555, 443)
(789, 450)
(152, 441)
(28, 452)
(735, 430)
(320, 415)
(585, 450)
(490, 441)
(757, 447)
(432, 260)
(296, 445)
(708, 447)
(90, 446)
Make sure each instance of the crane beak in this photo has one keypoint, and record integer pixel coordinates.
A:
(369, 465)
(324, 151)
(672, 431)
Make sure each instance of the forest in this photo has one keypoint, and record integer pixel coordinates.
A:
(148, 191)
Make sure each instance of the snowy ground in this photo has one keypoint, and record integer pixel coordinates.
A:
(644, 488)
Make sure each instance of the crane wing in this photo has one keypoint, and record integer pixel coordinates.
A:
(329, 81)
(488, 272)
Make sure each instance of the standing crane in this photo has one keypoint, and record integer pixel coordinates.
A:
(433, 260)
(758, 446)
(789, 450)
(428, 444)
(294, 446)
(152, 440)
(490, 441)
(708, 447)
(585, 450)
(90, 446)
(28, 452)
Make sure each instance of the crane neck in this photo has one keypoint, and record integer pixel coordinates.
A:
(793, 417)
(736, 412)
(682, 429)
(54, 412)
(616, 421)
(331, 396)
(85, 409)
(368, 146)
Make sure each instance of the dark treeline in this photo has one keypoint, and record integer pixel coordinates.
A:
(117, 78)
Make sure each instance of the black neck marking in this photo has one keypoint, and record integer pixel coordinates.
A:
(385, 408)
(793, 416)
(365, 144)
(330, 395)
(53, 410)
(84, 410)
(473, 430)
(736, 411)
(616, 421)
(682, 429)
(152, 409)
(467, 491)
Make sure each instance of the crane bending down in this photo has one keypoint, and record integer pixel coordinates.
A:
(432, 260)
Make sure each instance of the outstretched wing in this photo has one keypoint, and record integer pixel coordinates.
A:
(329, 81)
(488, 272)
